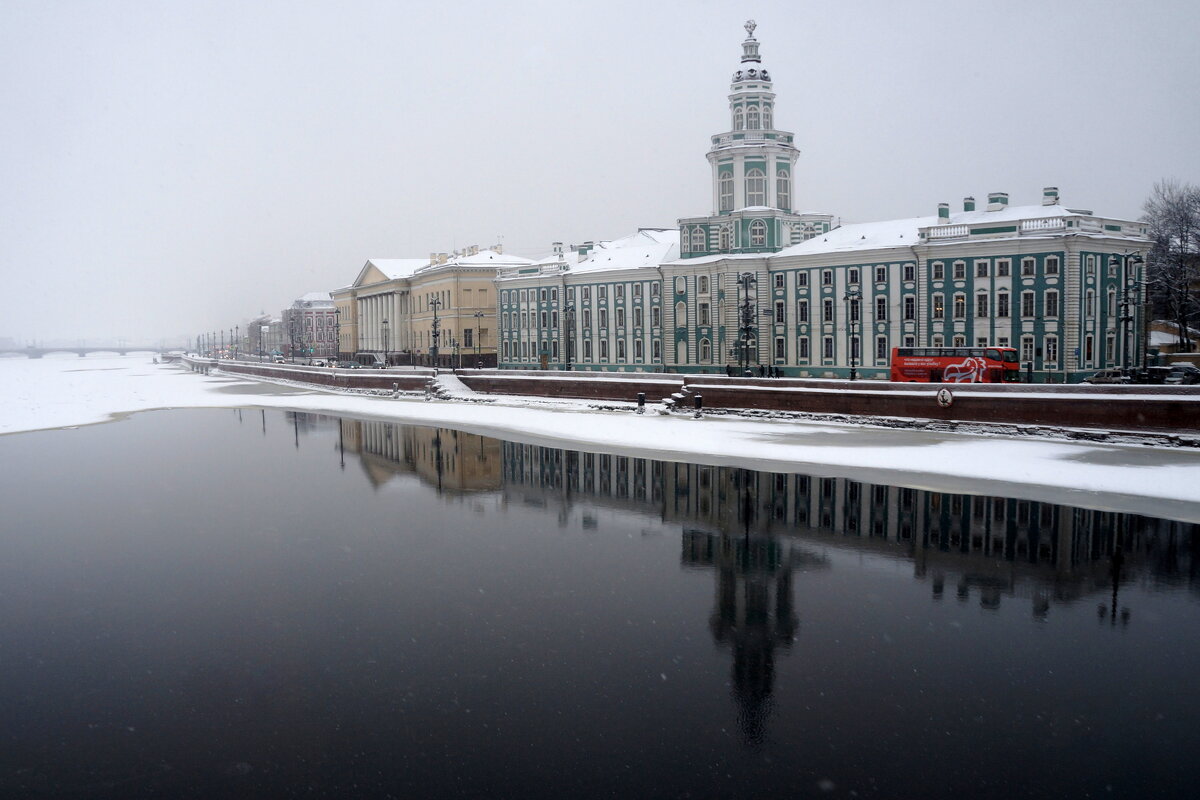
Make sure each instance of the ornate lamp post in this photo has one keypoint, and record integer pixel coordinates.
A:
(479, 316)
(435, 303)
(569, 323)
(852, 298)
(337, 325)
(1131, 288)
(387, 361)
(747, 318)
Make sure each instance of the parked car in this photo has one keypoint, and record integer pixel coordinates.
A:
(1183, 374)
(1109, 376)
(370, 360)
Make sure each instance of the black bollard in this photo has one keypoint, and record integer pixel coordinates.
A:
(641, 409)
(699, 400)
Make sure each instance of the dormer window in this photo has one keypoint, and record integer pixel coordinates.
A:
(752, 118)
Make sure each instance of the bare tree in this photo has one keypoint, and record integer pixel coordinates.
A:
(1173, 265)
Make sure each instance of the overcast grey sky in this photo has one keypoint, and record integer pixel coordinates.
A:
(171, 167)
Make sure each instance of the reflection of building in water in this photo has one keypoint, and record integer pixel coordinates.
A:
(451, 460)
(547, 476)
(988, 546)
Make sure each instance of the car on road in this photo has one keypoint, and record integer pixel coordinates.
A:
(1182, 374)
(1109, 377)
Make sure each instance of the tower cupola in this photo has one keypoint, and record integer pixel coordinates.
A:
(751, 68)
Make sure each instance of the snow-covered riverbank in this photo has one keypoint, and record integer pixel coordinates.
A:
(64, 392)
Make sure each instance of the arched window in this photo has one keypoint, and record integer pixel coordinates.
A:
(758, 233)
(698, 239)
(723, 239)
(766, 117)
(783, 190)
(725, 188)
(752, 118)
(705, 351)
(702, 284)
(680, 314)
(737, 119)
(756, 188)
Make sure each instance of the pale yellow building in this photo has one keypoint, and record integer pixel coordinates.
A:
(424, 311)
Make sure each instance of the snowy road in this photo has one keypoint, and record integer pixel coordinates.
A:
(70, 391)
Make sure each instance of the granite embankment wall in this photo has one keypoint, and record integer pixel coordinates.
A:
(1169, 409)
(377, 379)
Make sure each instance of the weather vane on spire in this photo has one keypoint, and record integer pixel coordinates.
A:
(750, 26)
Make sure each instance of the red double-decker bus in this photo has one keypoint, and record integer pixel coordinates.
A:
(955, 365)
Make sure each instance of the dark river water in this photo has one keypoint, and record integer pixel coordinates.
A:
(239, 603)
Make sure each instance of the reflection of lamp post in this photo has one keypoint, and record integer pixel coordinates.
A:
(1129, 300)
(479, 315)
(435, 303)
(569, 323)
(387, 361)
(457, 357)
(852, 298)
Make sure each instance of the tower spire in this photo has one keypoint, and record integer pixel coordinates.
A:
(750, 46)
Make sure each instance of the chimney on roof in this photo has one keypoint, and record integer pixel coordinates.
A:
(558, 251)
(1050, 196)
(968, 204)
(499, 248)
(433, 258)
(997, 201)
(473, 250)
(443, 258)
(943, 213)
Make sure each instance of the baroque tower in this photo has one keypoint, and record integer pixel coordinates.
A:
(753, 188)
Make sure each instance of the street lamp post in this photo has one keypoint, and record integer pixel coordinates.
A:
(237, 330)
(387, 361)
(435, 303)
(479, 316)
(337, 325)
(852, 299)
(457, 355)
(569, 323)
(1129, 300)
(747, 318)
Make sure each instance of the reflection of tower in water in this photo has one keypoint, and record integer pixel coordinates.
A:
(754, 611)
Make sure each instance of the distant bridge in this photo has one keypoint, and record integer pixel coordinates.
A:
(123, 349)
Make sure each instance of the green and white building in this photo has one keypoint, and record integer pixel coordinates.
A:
(755, 282)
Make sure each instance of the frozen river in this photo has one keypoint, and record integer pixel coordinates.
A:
(256, 602)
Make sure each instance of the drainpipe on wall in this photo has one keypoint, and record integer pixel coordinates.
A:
(917, 276)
